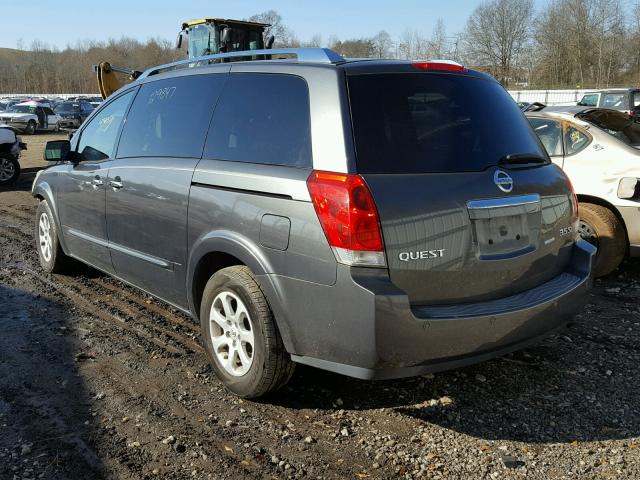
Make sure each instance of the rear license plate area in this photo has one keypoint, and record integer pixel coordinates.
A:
(502, 227)
(502, 235)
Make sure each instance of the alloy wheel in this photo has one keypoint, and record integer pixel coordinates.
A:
(232, 333)
(44, 237)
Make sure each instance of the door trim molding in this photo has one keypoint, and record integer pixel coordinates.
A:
(159, 262)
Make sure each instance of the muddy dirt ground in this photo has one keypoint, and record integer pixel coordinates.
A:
(100, 381)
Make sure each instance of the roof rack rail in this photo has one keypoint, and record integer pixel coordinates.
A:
(310, 55)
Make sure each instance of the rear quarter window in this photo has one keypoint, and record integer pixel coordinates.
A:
(262, 118)
(427, 122)
(617, 101)
(170, 117)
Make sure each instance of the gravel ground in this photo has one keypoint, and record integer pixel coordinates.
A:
(100, 381)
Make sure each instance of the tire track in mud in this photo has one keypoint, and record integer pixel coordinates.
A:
(132, 296)
(19, 213)
(90, 308)
(16, 234)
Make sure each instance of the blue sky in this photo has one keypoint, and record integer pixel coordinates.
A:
(59, 23)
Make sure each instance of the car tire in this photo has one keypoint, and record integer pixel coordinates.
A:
(31, 128)
(602, 228)
(52, 258)
(9, 171)
(241, 336)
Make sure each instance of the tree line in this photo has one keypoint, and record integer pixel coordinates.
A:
(565, 44)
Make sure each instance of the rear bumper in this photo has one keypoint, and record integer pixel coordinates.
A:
(369, 330)
(631, 217)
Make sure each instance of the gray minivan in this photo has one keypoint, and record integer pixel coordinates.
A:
(368, 217)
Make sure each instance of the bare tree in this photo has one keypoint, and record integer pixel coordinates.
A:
(382, 44)
(438, 44)
(496, 34)
(283, 36)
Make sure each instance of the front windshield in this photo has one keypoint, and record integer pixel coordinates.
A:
(67, 108)
(617, 124)
(202, 41)
(22, 109)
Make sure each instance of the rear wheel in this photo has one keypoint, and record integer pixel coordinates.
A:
(602, 228)
(9, 171)
(52, 258)
(241, 336)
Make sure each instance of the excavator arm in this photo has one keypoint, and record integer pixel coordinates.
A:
(108, 79)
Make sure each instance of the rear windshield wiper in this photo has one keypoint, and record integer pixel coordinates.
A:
(522, 159)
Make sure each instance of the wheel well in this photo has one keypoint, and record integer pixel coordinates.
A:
(207, 266)
(607, 205)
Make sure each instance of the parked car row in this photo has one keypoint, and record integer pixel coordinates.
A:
(43, 114)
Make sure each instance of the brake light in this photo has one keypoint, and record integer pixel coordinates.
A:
(441, 66)
(348, 216)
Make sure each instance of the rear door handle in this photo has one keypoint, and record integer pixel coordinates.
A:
(116, 183)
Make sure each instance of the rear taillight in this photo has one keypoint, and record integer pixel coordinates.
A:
(348, 216)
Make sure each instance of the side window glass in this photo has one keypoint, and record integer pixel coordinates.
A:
(98, 138)
(170, 118)
(262, 118)
(550, 134)
(575, 140)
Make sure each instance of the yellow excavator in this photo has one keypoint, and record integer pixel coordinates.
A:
(206, 36)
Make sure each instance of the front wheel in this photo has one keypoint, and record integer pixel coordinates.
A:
(241, 336)
(52, 258)
(31, 128)
(9, 171)
(602, 228)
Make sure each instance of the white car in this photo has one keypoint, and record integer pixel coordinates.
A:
(599, 151)
(30, 117)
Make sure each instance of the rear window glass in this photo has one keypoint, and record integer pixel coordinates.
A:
(618, 124)
(617, 101)
(262, 118)
(423, 123)
(550, 134)
(170, 118)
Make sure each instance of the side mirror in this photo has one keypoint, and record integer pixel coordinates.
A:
(57, 151)
(179, 41)
(270, 41)
(225, 36)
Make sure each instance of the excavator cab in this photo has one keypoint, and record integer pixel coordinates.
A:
(216, 35)
(206, 36)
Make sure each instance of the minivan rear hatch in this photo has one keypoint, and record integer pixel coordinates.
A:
(470, 206)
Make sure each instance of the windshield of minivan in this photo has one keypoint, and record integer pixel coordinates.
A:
(617, 124)
(426, 122)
